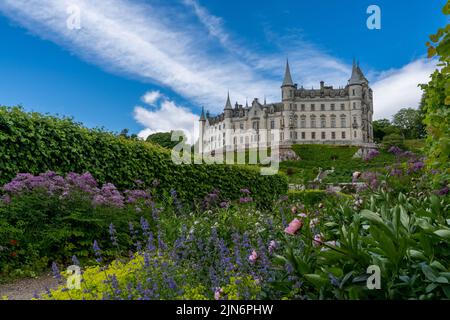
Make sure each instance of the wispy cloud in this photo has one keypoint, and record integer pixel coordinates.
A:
(396, 89)
(199, 61)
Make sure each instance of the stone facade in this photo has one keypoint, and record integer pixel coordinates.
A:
(325, 115)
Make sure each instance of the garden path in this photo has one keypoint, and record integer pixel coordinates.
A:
(24, 289)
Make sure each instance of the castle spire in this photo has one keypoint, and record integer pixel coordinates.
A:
(357, 76)
(287, 76)
(228, 104)
(202, 117)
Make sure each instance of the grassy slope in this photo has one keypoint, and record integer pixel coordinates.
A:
(326, 157)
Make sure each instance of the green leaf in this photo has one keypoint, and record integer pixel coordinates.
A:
(316, 280)
(443, 233)
(371, 216)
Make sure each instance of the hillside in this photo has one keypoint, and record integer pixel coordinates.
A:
(327, 157)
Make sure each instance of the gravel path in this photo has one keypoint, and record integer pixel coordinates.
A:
(25, 289)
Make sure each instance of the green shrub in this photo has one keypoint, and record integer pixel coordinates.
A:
(393, 139)
(34, 143)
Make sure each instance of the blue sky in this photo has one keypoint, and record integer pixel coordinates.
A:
(189, 53)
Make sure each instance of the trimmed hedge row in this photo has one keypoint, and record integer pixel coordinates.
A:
(35, 143)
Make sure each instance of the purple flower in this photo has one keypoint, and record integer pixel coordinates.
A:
(444, 191)
(245, 200)
(245, 191)
(97, 251)
(395, 150)
(56, 272)
(113, 235)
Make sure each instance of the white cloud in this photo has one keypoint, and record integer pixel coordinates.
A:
(167, 117)
(396, 89)
(151, 97)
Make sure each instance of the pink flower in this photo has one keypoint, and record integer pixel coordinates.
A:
(218, 293)
(318, 240)
(314, 222)
(253, 257)
(293, 227)
(272, 246)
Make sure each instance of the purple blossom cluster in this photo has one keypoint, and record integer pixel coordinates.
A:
(371, 154)
(73, 183)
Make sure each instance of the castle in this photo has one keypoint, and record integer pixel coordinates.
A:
(326, 115)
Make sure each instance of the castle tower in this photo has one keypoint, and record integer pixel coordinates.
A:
(228, 114)
(202, 130)
(357, 88)
(287, 88)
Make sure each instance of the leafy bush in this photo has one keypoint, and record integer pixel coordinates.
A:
(393, 139)
(30, 142)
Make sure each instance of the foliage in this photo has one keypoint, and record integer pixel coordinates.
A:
(393, 139)
(34, 143)
(164, 139)
(409, 122)
(437, 101)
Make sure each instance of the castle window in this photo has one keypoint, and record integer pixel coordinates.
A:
(322, 107)
(313, 121)
(354, 134)
(343, 121)
(241, 126)
(303, 135)
(323, 135)
(303, 107)
(354, 120)
(342, 106)
(333, 135)
(354, 105)
(323, 121)
(223, 126)
(295, 107)
(272, 124)
(353, 91)
(303, 122)
(255, 125)
(332, 107)
(234, 140)
(313, 107)
(313, 135)
(281, 136)
(343, 134)
(333, 121)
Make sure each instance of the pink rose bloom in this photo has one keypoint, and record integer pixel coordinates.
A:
(317, 241)
(253, 257)
(293, 227)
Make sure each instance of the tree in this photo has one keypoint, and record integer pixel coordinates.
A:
(164, 139)
(379, 129)
(409, 122)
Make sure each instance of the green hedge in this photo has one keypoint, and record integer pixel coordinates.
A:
(35, 143)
